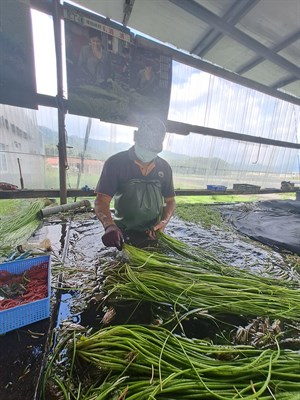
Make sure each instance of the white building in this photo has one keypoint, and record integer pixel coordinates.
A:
(21, 145)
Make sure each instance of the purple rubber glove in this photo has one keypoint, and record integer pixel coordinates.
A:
(113, 237)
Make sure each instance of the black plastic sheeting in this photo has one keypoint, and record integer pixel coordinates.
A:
(275, 223)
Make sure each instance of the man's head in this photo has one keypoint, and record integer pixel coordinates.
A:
(95, 38)
(150, 134)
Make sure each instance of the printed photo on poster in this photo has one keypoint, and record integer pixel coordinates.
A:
(98, 58)
(17, 70)
(150, 82)
(111, 75)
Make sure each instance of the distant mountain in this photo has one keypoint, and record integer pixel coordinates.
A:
(96, 149)
(49, 135)
(102, 149)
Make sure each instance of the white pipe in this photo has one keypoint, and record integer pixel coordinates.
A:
(64, 207)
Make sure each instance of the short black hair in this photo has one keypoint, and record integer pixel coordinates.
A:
(95, 33)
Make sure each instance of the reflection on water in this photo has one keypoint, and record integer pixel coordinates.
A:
(227, 245)
(65, 309)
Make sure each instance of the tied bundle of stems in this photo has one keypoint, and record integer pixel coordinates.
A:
(153, 363)
(188, 285)
(191, 259)
(211, 263)
(17, 228)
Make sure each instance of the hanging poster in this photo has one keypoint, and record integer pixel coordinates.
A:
(108, 76)
(98, 54)
(17, 71)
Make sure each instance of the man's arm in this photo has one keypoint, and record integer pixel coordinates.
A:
(113, 236)
(102, 209)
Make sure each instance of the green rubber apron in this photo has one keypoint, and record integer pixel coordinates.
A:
(138, 205)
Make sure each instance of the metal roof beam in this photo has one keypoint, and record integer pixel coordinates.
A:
(185, 129)
(283, 82)
(211, 19)
(280, 46)
(52, 193)
(233, 15)
(127, 9)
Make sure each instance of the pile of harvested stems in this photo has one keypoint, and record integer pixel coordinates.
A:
(190, 282)
(193, 259)
(138, 362)
(16, 229)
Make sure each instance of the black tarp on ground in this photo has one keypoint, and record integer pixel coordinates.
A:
(275, 223)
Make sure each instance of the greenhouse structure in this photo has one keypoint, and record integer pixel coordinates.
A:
(137, 272)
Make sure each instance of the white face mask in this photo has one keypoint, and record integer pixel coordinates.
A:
(144, 155)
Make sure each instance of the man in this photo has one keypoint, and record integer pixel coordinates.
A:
(142, 186)
(93, 61)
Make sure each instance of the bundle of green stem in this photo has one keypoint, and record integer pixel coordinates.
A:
(201, 258)
(186, 286)
(17, 228)
(152, 363)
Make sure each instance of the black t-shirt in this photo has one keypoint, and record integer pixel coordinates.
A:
(120, 168)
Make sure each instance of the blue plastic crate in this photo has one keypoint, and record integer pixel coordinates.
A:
(211, 187)
(217, 188)
(220, 188)
(28, 313)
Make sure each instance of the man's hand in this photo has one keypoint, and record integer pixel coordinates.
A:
(166, 216)
(113, 237)
(160, 226)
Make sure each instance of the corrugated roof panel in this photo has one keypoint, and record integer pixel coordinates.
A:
(267, 73)
(271, 20)
(165, 22)
(112, 9)
(229, 54)
(216, 6)
(293, 88)
(292, 52)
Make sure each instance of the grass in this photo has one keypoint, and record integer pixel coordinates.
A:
(199, 214)
(232, 199)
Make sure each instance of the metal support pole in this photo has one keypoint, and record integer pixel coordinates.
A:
(21, 176)
(62, 148)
